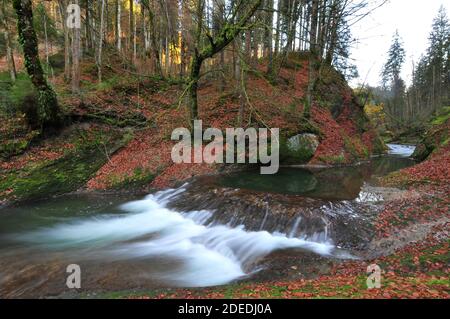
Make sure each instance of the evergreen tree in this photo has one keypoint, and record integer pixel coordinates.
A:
(438, 57)
(396, 57)
(391, 79)
(431, 81)
(341, 55)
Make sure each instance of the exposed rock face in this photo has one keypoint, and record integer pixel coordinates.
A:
(301, 148)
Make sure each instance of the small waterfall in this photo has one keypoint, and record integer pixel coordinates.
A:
(209, 253)
(401, 150)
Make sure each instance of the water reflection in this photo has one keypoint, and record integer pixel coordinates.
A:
(342, 183)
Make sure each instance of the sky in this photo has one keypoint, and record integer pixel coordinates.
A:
(412, 18)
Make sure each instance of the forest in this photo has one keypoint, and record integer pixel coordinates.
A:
(92, 93)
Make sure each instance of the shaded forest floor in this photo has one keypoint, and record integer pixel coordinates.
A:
(118, 139)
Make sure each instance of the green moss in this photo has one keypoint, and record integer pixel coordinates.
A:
(140, 177)
(379, 146)
(63, 175)
(16, 146)
(333, 159)
(13, 95)
(438, 282)
(444, 116)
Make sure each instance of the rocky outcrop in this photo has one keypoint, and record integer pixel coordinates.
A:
(300, 148)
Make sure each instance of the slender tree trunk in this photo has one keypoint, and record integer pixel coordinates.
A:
(334, 24)
(131, 24)
(9, 50)
(134, 43)
(48, 109)
(100, 42)
(312, 58)
(62, 10)
(196, 65)
(278, 31)
(118, 25)
(268, 43)
(47, 59)
(10, 57)
(154, 44)
(89, 40)
(76, 48)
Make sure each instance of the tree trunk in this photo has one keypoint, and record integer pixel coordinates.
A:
(312, 58)
(100, 42)
(62, 10)
(48, 109)
(131, 20)
(10, 57)
(196, 65)
(76, 48)
(154, 44)
(47, 59)
(9, 51)
(333, 33)
(89, 41)
(277, 34)
(268, 42)
(118, 25)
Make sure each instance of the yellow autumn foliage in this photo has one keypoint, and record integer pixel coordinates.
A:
(376, 113)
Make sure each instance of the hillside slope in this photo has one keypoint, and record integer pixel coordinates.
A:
(344, 133)
(143, 111)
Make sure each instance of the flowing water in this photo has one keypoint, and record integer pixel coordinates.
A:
(168, 239)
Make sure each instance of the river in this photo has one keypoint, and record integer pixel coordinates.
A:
(192, 236)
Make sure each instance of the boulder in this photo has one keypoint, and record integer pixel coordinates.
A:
(301, 148)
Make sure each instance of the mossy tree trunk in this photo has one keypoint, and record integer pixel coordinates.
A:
(48, 109)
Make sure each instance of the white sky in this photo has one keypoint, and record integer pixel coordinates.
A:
(412, 18)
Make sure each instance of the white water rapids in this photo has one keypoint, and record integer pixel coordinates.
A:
(208, 254)
(401, 150)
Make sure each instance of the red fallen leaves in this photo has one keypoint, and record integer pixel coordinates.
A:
(431, 179)
(435, 170)
(432, 205)
(146, 152)
(346, 119)
(333, 142)
(36, 154)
